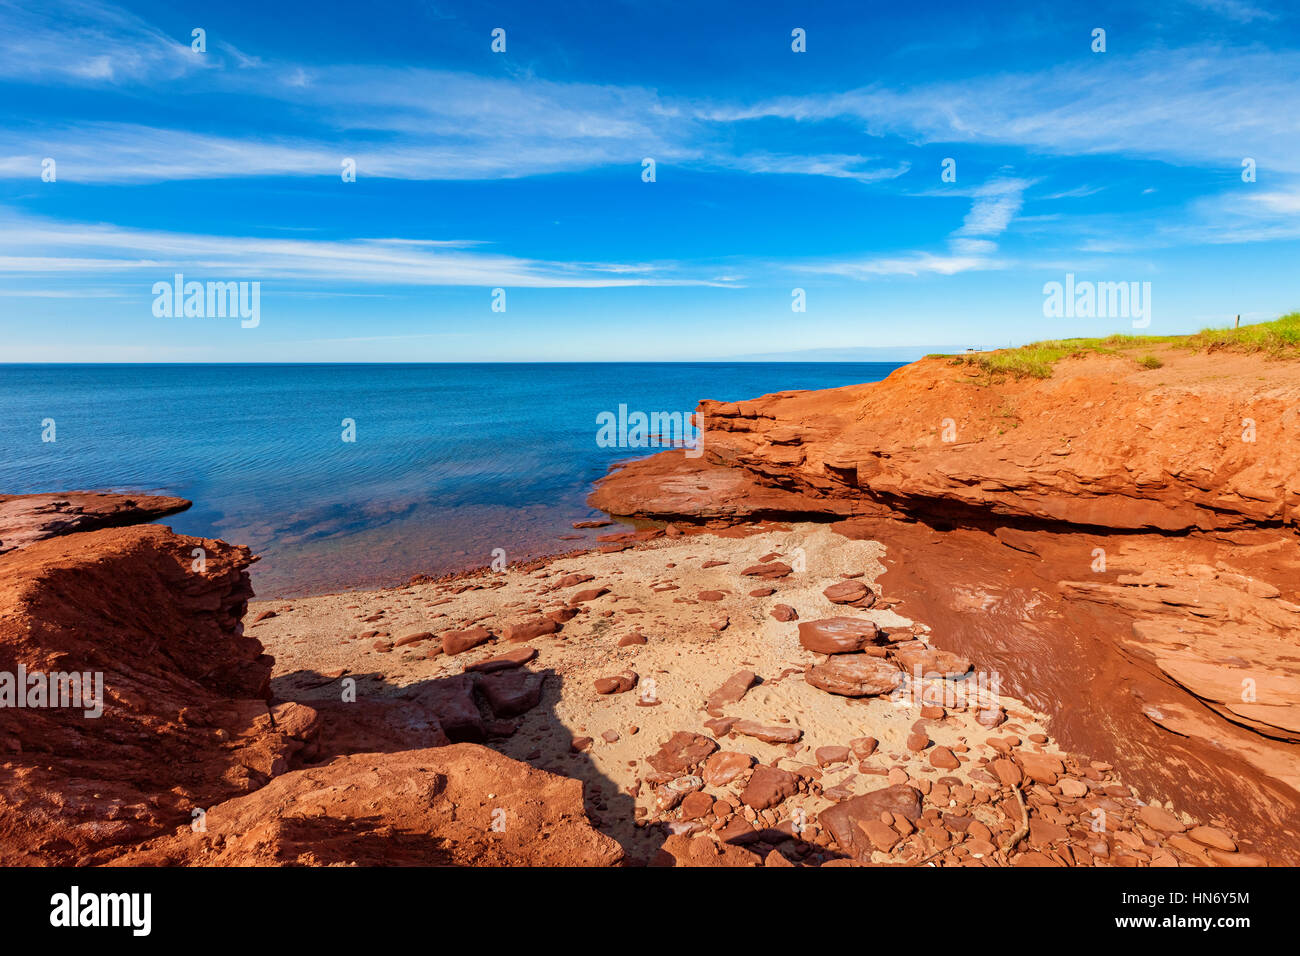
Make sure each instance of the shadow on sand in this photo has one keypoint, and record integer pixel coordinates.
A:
(512, 711)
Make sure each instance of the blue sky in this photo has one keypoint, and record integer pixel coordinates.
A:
(522, 170)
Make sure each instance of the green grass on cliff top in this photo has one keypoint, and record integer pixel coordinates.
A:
(1278, 339)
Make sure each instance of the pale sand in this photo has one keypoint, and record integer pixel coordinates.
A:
(686, 658)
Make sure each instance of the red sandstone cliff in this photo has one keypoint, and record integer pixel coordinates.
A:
(188, 724)
(1121, 542)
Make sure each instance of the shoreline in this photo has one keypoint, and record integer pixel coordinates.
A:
(686, 654)
(772, 598)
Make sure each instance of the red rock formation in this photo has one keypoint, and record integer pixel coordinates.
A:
(1107, 534)
(1098, 444)
(26, 519)
(188, 731)
(185, 719)
(460, 805)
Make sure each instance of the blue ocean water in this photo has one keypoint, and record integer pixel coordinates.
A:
(449, 461)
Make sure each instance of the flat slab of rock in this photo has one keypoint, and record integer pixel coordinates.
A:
(848, 821)
(838, 635)
(26, 519)
(1041, 768)
(778, 734)
(620, 683)
(1160, 819)
(457, 642)
(850, 592)
(531, 628)
(855, 675)
(829, 755)
(767, 787)
(511, 659)
(931, 662)
(725, 766)
(769, 571)
(590, 594)
(731, 692)
(414, 638)
(682, 752)
(572, 580)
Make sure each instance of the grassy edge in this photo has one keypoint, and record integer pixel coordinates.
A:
(1278, 339)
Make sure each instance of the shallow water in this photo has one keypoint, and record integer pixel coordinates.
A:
(449, 463)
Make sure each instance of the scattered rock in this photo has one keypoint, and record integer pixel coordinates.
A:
(850, 592)
(511, 659)
(530, 629)
(930, 662)
(731, 692)
(1160, 819)
(457, 642)
(855, 675)
(725, 766)
(784, 613)
(770, 571)
(826, 756)
(620, 683)
(838, 635)
(863, 747)
(682, 752)
(771, 735)
(944, 759)
(671, 794)
(767, 787)
(848, 821)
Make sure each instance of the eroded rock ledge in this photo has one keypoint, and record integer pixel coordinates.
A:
(1097, 445)
(26, 519)
(1145, 519)
(189, 731)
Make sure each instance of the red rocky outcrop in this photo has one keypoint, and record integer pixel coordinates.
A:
(414, 808)
(189, 731)
(1106, 533)
(185, 722)
(26, 519)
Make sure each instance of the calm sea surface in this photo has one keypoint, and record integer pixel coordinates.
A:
(449, 461)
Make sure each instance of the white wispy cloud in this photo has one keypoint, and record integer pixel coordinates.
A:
(971, 247)
(32, 247)
(996, 204)
(83, 42)
(863, 169)
(1207, 105)
(909, 264)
